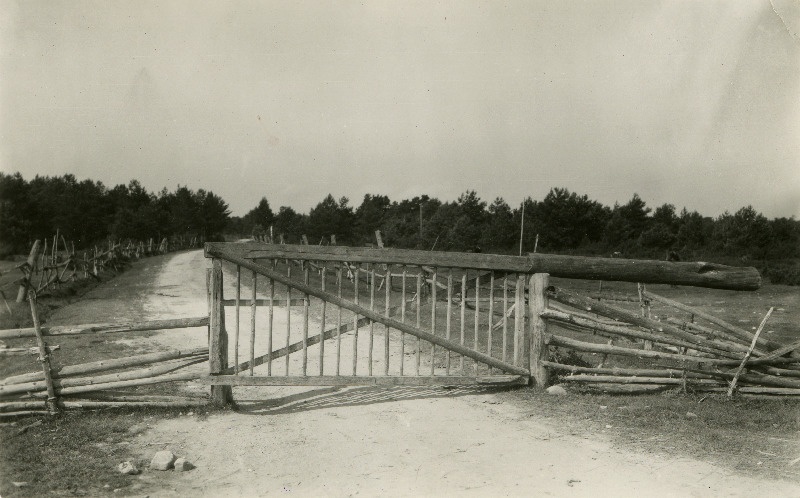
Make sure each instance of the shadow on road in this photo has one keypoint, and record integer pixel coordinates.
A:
(336, 397)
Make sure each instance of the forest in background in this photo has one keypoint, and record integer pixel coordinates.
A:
(564, 222)
(87, 212)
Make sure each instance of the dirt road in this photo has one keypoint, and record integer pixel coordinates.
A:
(394, 442)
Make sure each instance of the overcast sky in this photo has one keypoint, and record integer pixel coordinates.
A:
(695, 103)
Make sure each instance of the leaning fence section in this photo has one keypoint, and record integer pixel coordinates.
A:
(102, 383)
(54, 262)
(599, 341)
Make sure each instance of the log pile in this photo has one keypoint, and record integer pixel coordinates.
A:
(712, 356)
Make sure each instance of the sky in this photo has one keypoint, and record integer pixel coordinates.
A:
(693, 103)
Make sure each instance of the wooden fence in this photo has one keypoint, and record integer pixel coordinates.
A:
(95, 384)
(685, 347)
(53, 263)
(426, 318)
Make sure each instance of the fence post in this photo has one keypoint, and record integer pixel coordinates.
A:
(521, 340)
(30, 267)
(218, 337)
(537, 303)
(44, 356)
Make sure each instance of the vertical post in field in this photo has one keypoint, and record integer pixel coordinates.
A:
(538, 329)
(218, 337)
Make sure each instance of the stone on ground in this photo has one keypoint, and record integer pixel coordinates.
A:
(182, 464)
(163, 460)
(127, 468)
(556, 390)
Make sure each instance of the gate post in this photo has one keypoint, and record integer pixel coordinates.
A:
(522, 343)
(537, 303)
(218, 337)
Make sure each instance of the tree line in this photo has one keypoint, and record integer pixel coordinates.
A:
(563, 222)
(87, 212)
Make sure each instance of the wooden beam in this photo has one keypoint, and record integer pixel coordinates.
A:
(697, 274)
(107, 328)
(346, 380)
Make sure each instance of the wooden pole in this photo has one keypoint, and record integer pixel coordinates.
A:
(738, 332)
(747, 355)
(218, 338)
(538, 328)
(30, 265)
(522, 227)
(44, 357)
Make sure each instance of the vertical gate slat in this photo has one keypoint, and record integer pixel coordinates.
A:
(270, 320)
(403, 320)
(387, 283)
(491, 316)
(288, 315)
(505, 317)
(371, 323)
(236, 321)
(463, 318)
(447, 320)
(477, 316)
(338, 320)
(419, 305)
(253, 323)
(433, 317)
(355, 320)
(324, 273)
(305, 320)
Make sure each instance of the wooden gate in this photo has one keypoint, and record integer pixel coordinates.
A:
(313, 315)
(303, 315)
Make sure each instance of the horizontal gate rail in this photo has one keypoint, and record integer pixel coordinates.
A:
(699, 274)
(347, 380)
(367, 313)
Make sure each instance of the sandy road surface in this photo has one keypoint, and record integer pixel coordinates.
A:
(393, 442)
